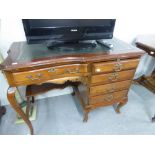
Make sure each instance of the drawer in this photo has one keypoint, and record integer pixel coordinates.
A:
(108, 88)
(49, 73)
(115, 66)
(108, 99)
(112, 77)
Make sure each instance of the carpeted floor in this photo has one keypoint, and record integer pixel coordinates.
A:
(62, 115)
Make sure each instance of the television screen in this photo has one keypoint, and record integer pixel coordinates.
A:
(67, 30)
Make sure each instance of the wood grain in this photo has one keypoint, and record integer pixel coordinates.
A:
(112, 66)
(107, 99)
(108, 88)
(112, 77)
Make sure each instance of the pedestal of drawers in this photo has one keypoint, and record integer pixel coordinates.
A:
(108, 84)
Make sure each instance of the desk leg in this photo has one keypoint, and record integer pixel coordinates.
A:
(85, 117)
(121, 104)
(11, 97)
(2, 111)
(153, 119)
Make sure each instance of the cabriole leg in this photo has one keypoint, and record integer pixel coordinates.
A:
(121, 104)
(28, 106)
(153, 119)
(11, 97)
(85, 116)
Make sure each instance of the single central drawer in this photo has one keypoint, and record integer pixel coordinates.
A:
(108, 88)
(108, 99)
(49, 73)
(112, 77)
(115, 66)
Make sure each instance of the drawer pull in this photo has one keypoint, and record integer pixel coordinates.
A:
(113, 77)
(71, 71)
(109, 98)
(52, 70)
(38, 76)
(112, 89)
(118, 67)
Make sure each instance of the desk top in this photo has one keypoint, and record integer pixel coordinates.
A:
(22, 55)
(147, 43)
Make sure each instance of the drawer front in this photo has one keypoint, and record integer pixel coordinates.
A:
(115, 66)
(108, 88)
(108, 99)
(49, 73)
(112, 77)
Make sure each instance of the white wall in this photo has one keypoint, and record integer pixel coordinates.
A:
(126, 29)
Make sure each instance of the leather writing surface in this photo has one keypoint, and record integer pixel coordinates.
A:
(30, 52)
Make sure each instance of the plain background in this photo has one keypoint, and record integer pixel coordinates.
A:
(135, 10)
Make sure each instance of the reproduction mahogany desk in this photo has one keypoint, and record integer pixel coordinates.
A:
(104, 75)
(147, 43)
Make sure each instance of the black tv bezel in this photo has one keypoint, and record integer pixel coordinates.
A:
(32, 39)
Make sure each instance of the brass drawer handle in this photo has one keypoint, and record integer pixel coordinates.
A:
(38, 76)
(118, 67)
(112, 89)
(71, 71)
(109, 98)
(52, 70)
(113, 77)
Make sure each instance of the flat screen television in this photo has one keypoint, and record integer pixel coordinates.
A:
(56, 31)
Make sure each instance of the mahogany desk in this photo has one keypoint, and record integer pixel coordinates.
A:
(104, 75)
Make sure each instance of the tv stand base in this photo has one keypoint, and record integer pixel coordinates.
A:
(72, 45)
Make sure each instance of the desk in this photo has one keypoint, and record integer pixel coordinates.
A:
(104, 75)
